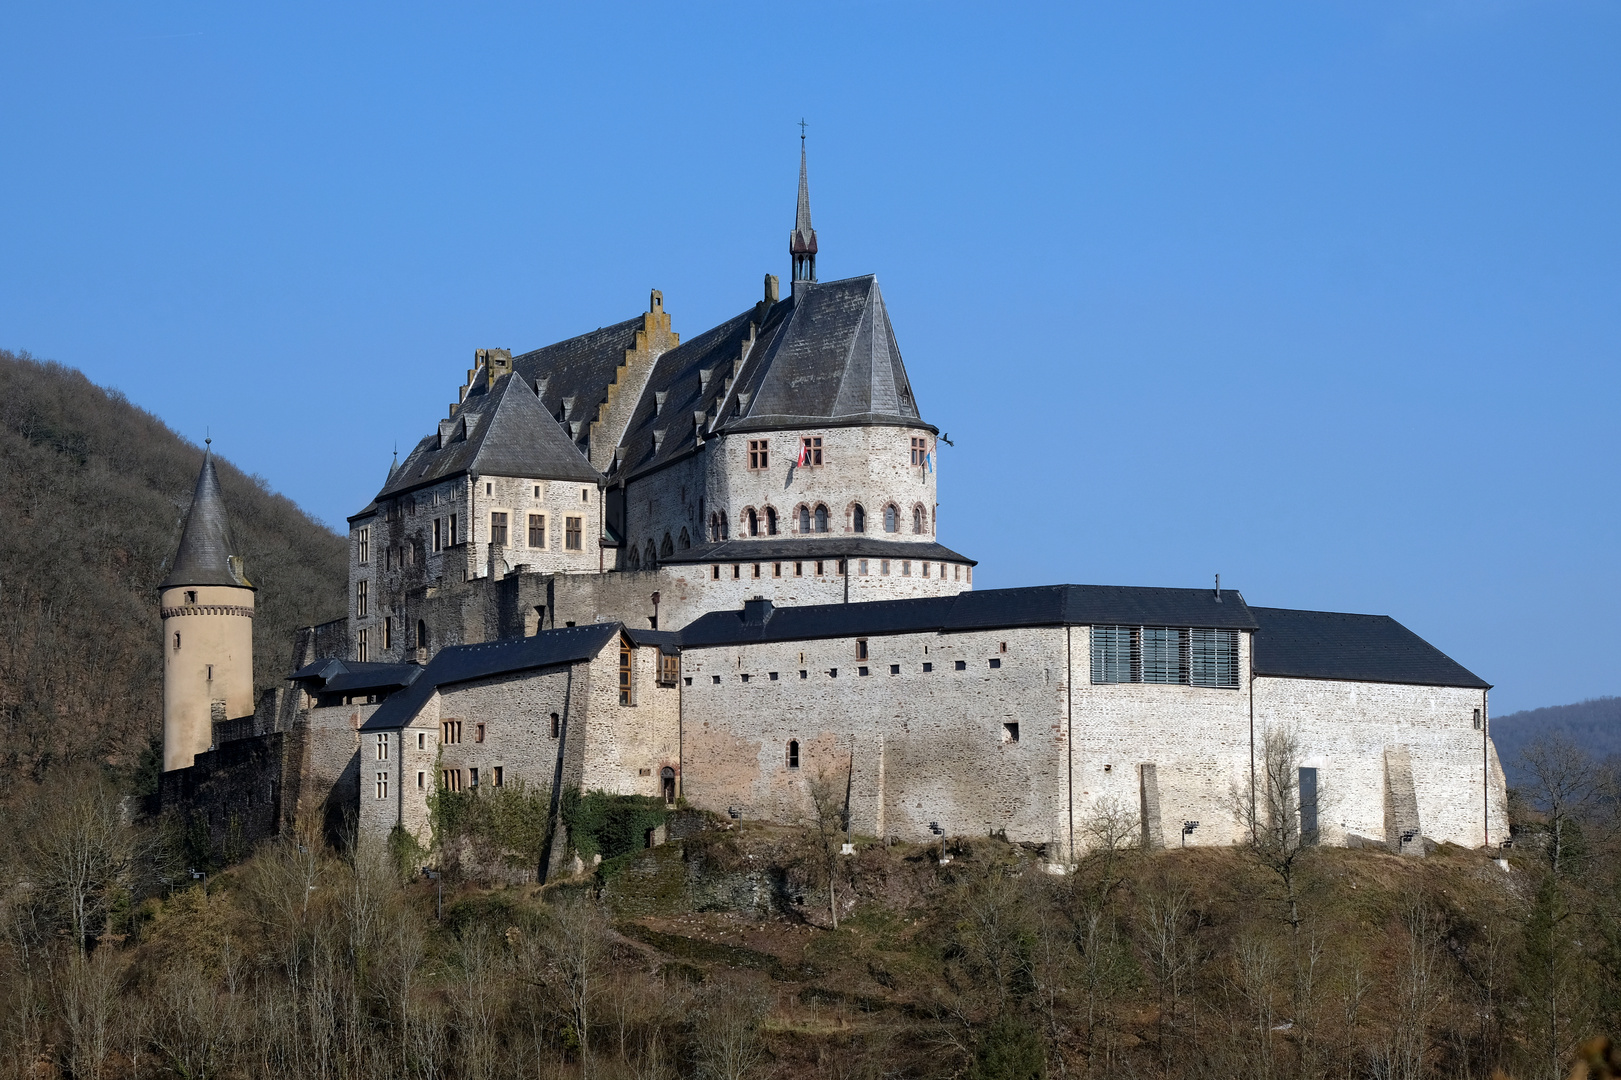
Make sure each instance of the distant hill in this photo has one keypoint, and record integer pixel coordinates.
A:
(93, 491)
(1594, 725)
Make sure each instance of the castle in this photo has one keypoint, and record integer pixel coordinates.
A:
(707, 570)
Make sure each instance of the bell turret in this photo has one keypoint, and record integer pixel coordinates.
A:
(802, 241)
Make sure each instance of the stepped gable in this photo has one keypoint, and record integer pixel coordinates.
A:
(1354, 648)
(464, 663)
(834, 361)
(498, 431)
(573, 375)
(660, 433)
(204, 555)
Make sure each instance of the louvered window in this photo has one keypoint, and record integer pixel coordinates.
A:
(1162, 654)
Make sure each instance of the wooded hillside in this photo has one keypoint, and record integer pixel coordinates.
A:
(93, 492)
(1594, 725)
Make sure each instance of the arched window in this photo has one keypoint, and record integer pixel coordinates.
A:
(890, 516)
(918, 519)
(858, 518)
(821, 518)
(753, 520)
(793, 753)
(652, 555)
(770, 521)
(804, 519)
(633, 559)
(177, 641)
(422, 634)
(686, 541)
(725, 530)
(667, 547)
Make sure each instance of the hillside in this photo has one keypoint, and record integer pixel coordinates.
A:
(93, 492)
(1594, 725)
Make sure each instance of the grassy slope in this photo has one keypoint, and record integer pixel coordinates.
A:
(93, 492)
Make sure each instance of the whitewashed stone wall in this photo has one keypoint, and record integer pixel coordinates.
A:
(1344, 729)
(692, 589)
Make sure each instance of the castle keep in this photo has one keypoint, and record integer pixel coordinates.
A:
(709, 569)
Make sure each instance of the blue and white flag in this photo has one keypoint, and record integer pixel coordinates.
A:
(928, 461)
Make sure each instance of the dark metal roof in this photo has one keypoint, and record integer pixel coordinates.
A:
(1043, 605)
(464, 663)
(1355, 648)
(666, 641)
(203, 557)
(332, 676)
(834, 359)
(765, 548)
(504, 430)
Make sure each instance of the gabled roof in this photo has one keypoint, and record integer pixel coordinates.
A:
(1353, 648)
(500, 431)
(465, 663)
(834, 359)
(203, 557)
(1042, 605)
(574, 375)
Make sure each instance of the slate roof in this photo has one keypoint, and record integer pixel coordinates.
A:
(333, 676)
(1355, 648)
(833, 360)
(503, 430)
(574, 375)
(815, 547)
(205, 542)
(1043, 605)
(464, 663)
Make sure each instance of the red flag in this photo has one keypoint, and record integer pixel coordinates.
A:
(804, 454)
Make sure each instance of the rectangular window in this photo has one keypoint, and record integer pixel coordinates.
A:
(776, 569)
(810, 450)
(894, 669)
(363, 542)
(920, 449)
(759, 454)
(1158, 654)
(962, 665)
(472, 778)
(996, 662)
(571, 534)
(1010, 733)
(927, 666)
(382, 747)
(863, 670)
(799, 569)
(438, 535)
(1477, 719)
(388, 632)
(496, 776)
(819, 570)
(669, 668)
(861, 648)
(925, 569)
(452, 779)
(537, 530)
(862, 564)
(478, 731)
(422, 779)
(498, 527)
(450, 531)
(382, 785)
(1214, 658)
(422, 740)
(363, 653)
(1308, 806)
(625, 687)
(450, 731)
(737, 571)
(906, 568)
(360, 598)
(883, 566)
(537, 491)
(756, 569)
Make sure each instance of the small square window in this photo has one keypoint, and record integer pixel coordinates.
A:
(862, 671)
(962, 665)
(927, 666)
(687, 679)
(833, 673)
(894, 669)
(803, 674)
(996, 662)
(773, 676)
(716, 678)
(744, 676)
(1010, 732)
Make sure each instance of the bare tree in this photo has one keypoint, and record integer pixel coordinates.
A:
(726, 1032)
(1564, 781)
(828, 824)
(77, 851)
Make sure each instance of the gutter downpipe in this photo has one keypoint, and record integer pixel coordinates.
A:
(1485, 776)
(1253, 837)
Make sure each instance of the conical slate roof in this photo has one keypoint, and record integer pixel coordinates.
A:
(833, 359)
(203, 557)
(802, 241)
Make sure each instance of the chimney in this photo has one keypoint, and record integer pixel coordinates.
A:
(757, 611)
(771, 288)
(1218, 588)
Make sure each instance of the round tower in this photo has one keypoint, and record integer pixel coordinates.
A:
(207, 608)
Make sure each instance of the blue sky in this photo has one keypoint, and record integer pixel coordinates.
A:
(1321, 297)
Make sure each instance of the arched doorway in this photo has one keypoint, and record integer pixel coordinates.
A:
(667, 781)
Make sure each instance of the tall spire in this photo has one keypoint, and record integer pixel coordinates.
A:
(802, 241)
(206, 555)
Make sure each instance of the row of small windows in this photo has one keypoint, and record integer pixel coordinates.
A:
(863, 568)
(815, 519)
(1165, 654)
(863, 670)
(810, 453)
